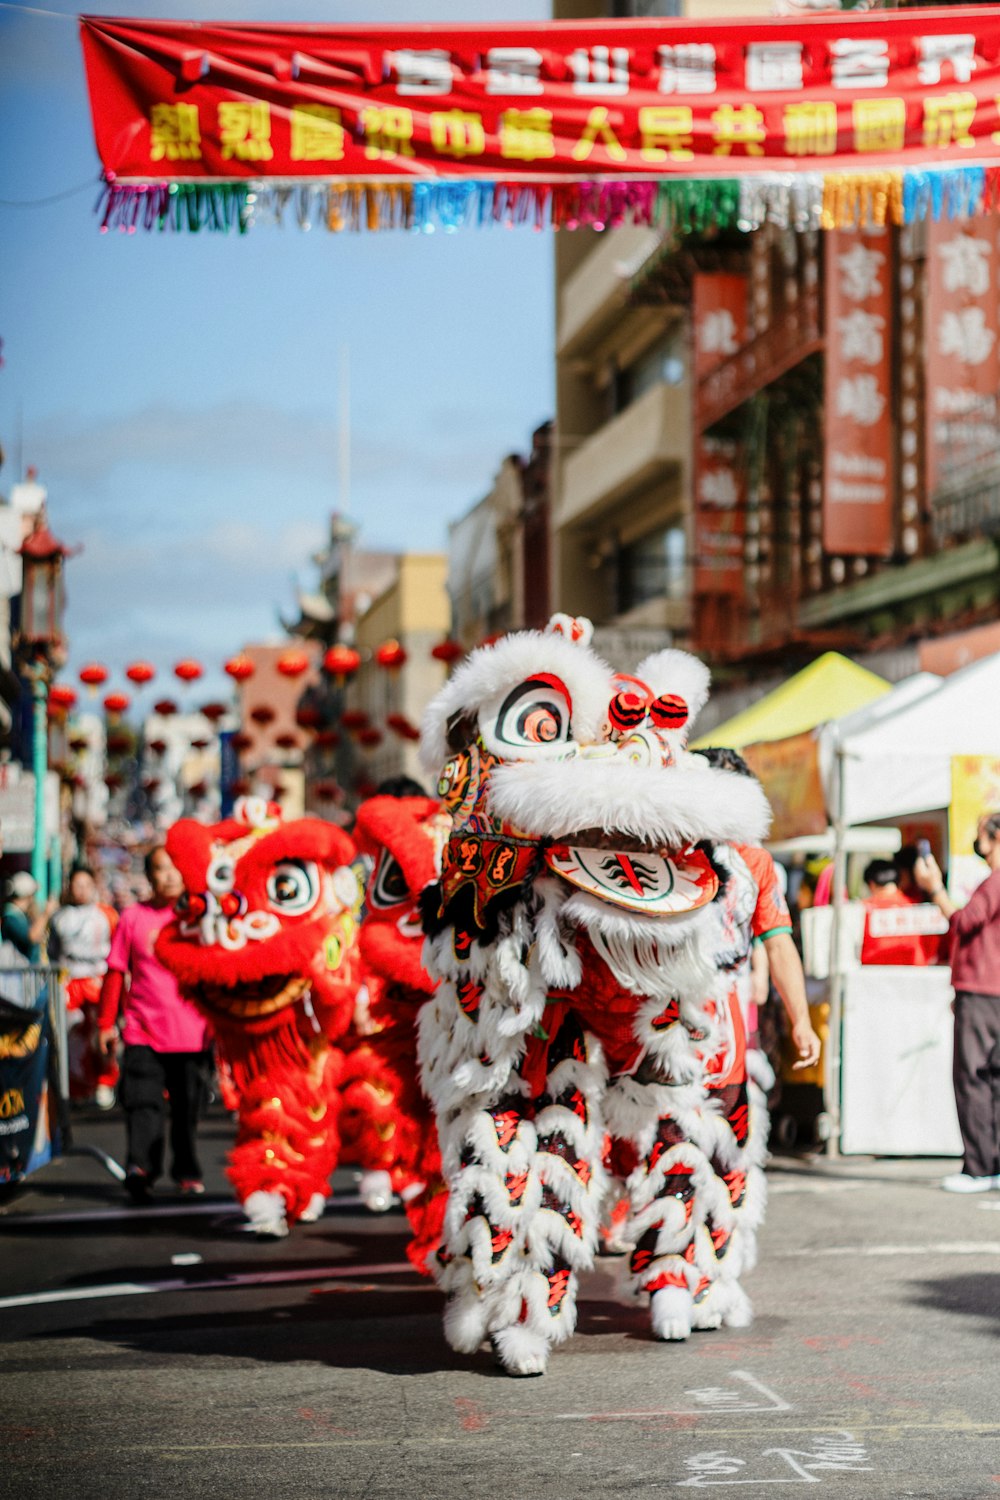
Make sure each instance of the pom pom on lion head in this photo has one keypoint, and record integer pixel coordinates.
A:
(269, 913)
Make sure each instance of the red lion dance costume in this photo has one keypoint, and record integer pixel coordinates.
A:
(384, 1113)
(582, 933)
(264, 942)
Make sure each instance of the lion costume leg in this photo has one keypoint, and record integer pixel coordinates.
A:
(520, 1140)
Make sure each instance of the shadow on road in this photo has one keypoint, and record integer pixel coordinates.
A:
(394, 1329)
(973, 1296)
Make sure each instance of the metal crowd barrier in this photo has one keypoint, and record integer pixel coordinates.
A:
(38, 989)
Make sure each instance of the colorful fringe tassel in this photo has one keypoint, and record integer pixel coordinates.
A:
(801, 201)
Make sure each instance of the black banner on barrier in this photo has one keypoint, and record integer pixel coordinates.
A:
(26, 1123)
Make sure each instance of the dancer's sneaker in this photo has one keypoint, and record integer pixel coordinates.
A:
(104, 1096)
(191, 1187)
(962, 1182)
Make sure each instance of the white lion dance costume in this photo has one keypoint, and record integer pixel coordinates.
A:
(582, 931)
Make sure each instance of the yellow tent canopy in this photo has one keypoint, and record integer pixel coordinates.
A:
(828, 688)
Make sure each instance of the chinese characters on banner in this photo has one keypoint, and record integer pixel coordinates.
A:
(858, 473)
(180, 100)
(718, 473)
(963, 358)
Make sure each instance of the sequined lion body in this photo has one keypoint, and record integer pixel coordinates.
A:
(264, 942)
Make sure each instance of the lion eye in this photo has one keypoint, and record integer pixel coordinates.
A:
(536, 713)
(221, 874)
(388, 886)
(293, 886)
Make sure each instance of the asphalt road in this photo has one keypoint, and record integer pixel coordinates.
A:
(165, 1352)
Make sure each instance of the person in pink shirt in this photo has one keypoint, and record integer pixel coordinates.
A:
(165, 1040)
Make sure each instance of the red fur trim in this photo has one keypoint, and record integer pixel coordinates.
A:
(288, 1139)
(395, 823)
(426, 1215)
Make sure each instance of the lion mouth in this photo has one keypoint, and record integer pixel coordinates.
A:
(251, 1002)
(632, 875)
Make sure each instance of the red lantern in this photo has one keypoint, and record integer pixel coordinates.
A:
(118, 743)
(293, 663)
(151, 783)
(165, 707)
(449, 650)
(390, 655)
(200, 744)
(241, 740)
(354, 718)
(327, 739)
(93, 674)
(213, 712)
(113, 781)
(308, 717)
(158, 747)
(189, 670)
(326, 791)
(263, 714)
(370, 737)
(198, 789)
(287, 741)
(240, 667)
(117, 703)
(61, 695)
(239, 787)
(400, 724)
(366, 787)
(79, 744)
(140, 672)
(342, 661)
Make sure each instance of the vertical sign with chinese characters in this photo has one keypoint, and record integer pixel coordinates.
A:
(720, 330)
(963, 358)
(858, 474)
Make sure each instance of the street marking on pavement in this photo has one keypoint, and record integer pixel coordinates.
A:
(706, 1400)
(154, 1211)
(238, 1279)
(498, 1437)
(815, 1187)
(940, 1247)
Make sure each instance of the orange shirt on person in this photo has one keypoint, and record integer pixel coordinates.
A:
(899, 930)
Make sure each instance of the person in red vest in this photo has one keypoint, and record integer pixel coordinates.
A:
(898, 930)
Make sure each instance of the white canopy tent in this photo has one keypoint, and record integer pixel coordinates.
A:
(895, 756)
(892, 759)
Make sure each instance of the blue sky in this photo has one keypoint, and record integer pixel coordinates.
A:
(179, 394)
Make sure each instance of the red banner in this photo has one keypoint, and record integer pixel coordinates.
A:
(188, 101)
(858, 474)
(963, 356)
(720, 500)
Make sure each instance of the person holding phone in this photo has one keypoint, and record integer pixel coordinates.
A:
(974, 934)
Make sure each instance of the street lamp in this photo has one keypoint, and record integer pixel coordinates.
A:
(41, 646)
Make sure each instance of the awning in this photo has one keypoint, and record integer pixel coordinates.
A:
(827, 689)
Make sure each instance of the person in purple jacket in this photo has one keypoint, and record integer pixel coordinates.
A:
(974, 938)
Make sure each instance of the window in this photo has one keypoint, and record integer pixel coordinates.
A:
(663, 364)
(654, 567)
